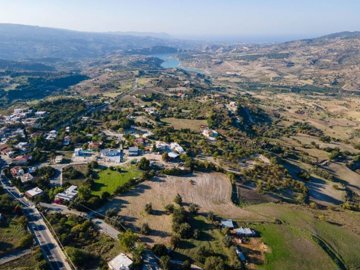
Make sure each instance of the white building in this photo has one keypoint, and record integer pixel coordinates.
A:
(120, 262)
(33, 192)
(177, 148)
(68, 195)
(111, 155)
(210, 134)
(27, 177)
(133, 151)
(51, 135)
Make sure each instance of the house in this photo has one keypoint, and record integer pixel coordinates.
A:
(67, 140)
(5, 149)
(177, 148)
(27, 177)
(228, 223)
(79, 152)
(162, 146)
(232, 106)
(244, 232)
(139, 141)
(133, 151)
(40, 113)
(21, 146)
(58, 159)
(94, 145)
(120, 262)
(51, 135)
(17, 171)
(150, 110)
(111, 155)
(68, 195)
(173, 155)
(210, 134)
(21, 160)
(32, 193)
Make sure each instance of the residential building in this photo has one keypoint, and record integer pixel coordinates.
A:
(210, 134)
(17, 171)
(68, 195)
(27, 177)
(111, 155)
(133, 151)
(32, 193)
(120, 262)
(59, 159)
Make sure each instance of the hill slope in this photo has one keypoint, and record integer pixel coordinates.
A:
(23, 42)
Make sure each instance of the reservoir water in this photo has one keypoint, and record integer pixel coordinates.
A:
(172, 61)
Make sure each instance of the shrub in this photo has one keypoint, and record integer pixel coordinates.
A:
(148, 208)
(169, 208)
(214, 263)
(145, 229)
(178, 199)
(160, 250)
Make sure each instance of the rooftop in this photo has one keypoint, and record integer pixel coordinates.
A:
(120, 262)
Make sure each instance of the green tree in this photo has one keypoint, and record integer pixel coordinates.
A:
(128, 239)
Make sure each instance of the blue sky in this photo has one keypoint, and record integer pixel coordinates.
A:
(189, 18)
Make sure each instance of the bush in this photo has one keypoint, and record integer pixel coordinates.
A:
(148, 208)
(78, 256)
(214, 263)
(26, 241)
(160, 250)
(185, 230)
(165, 262)
(169, 208)
(145, 229)
(193, 208)
(178, 199)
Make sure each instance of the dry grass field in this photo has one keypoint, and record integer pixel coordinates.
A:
(194, 125)
(212, 192)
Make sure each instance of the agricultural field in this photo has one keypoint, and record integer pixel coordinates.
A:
(110, 179)
(302, 236)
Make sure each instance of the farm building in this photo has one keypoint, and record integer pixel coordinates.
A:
(228, 223)
(244, 232)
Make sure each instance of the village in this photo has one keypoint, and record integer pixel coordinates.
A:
(24, 172)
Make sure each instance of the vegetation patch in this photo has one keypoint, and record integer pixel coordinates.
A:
(109, 180)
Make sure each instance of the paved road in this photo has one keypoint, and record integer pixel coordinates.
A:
(101, 224)
(150, 261)
(49, 247)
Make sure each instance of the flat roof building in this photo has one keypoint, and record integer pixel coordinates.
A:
(120, 262)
